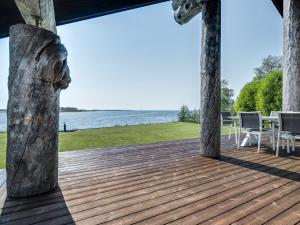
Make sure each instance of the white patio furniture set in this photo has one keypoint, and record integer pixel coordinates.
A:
(285, 126)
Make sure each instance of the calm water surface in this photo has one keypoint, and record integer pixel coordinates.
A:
(84, 120)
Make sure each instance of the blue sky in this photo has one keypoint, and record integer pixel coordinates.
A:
(142, 59)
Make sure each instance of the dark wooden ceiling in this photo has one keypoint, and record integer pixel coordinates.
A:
(68, 11)
(279, 5)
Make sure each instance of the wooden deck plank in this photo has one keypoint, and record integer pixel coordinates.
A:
(187, 176)
(165, 183)
(263, 215)
(189, 173)
(291, 190)
(288, 217)
(175, 215)
(103, 201)
(192, 202)
(142, 191)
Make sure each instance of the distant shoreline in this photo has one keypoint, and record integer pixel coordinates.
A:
(71, 109)
(85, 119)
(67, 109)
(94, 110)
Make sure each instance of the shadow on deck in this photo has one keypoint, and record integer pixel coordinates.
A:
(165, 183)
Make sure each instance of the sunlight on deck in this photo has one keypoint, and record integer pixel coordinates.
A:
(166, 183)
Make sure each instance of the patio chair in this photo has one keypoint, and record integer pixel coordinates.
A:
(251, 124)
(275, 113)
(289, 129)
(227, 122)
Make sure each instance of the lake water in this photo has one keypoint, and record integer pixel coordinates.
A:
(96, 119)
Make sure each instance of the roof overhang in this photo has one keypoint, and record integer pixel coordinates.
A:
(68, 11)
(279, 5)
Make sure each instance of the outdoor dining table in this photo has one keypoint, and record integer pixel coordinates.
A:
(271, 119)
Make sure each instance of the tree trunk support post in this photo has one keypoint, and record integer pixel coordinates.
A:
(39, 13)
(210, 106)
(291, 56)
(38, 71)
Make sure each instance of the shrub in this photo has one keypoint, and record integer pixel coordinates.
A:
(269, 94)
(195, 116)
(246, 100)
(184, 114)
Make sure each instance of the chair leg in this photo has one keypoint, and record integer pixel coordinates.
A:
(277, 149)
(273, 136)
(238, 139)
(235, 131)
(283, 146)
(229, 135)
(249, 140)
(293, 144)
(235, 134)
(288, 145)
(258, 147)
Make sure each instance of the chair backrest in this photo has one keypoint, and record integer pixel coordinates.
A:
(225, 118)
(289, 121)
(250, 120)
(274, 113)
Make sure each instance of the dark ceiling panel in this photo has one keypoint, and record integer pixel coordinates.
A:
(68, 11)
(279, 5)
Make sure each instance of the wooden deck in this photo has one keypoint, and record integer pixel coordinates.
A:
(166, 183)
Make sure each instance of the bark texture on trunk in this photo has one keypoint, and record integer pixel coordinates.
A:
(291, 56)
(38, 71)
(210, 79)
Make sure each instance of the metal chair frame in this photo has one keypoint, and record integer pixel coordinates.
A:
(289, 134)
(257, 131)
(231, 124)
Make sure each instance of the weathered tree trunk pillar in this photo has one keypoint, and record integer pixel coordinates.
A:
(291, 56)
(210, 79)
(38, 71)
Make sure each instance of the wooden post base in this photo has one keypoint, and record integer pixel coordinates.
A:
(38, 71)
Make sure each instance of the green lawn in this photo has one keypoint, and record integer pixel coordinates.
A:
(2, 149)
(119, 136)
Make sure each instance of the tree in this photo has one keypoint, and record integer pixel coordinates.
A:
(227, 94)
(195, 116)
(269, 94)
(184, 114)
(269, 64)
(246, 100)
